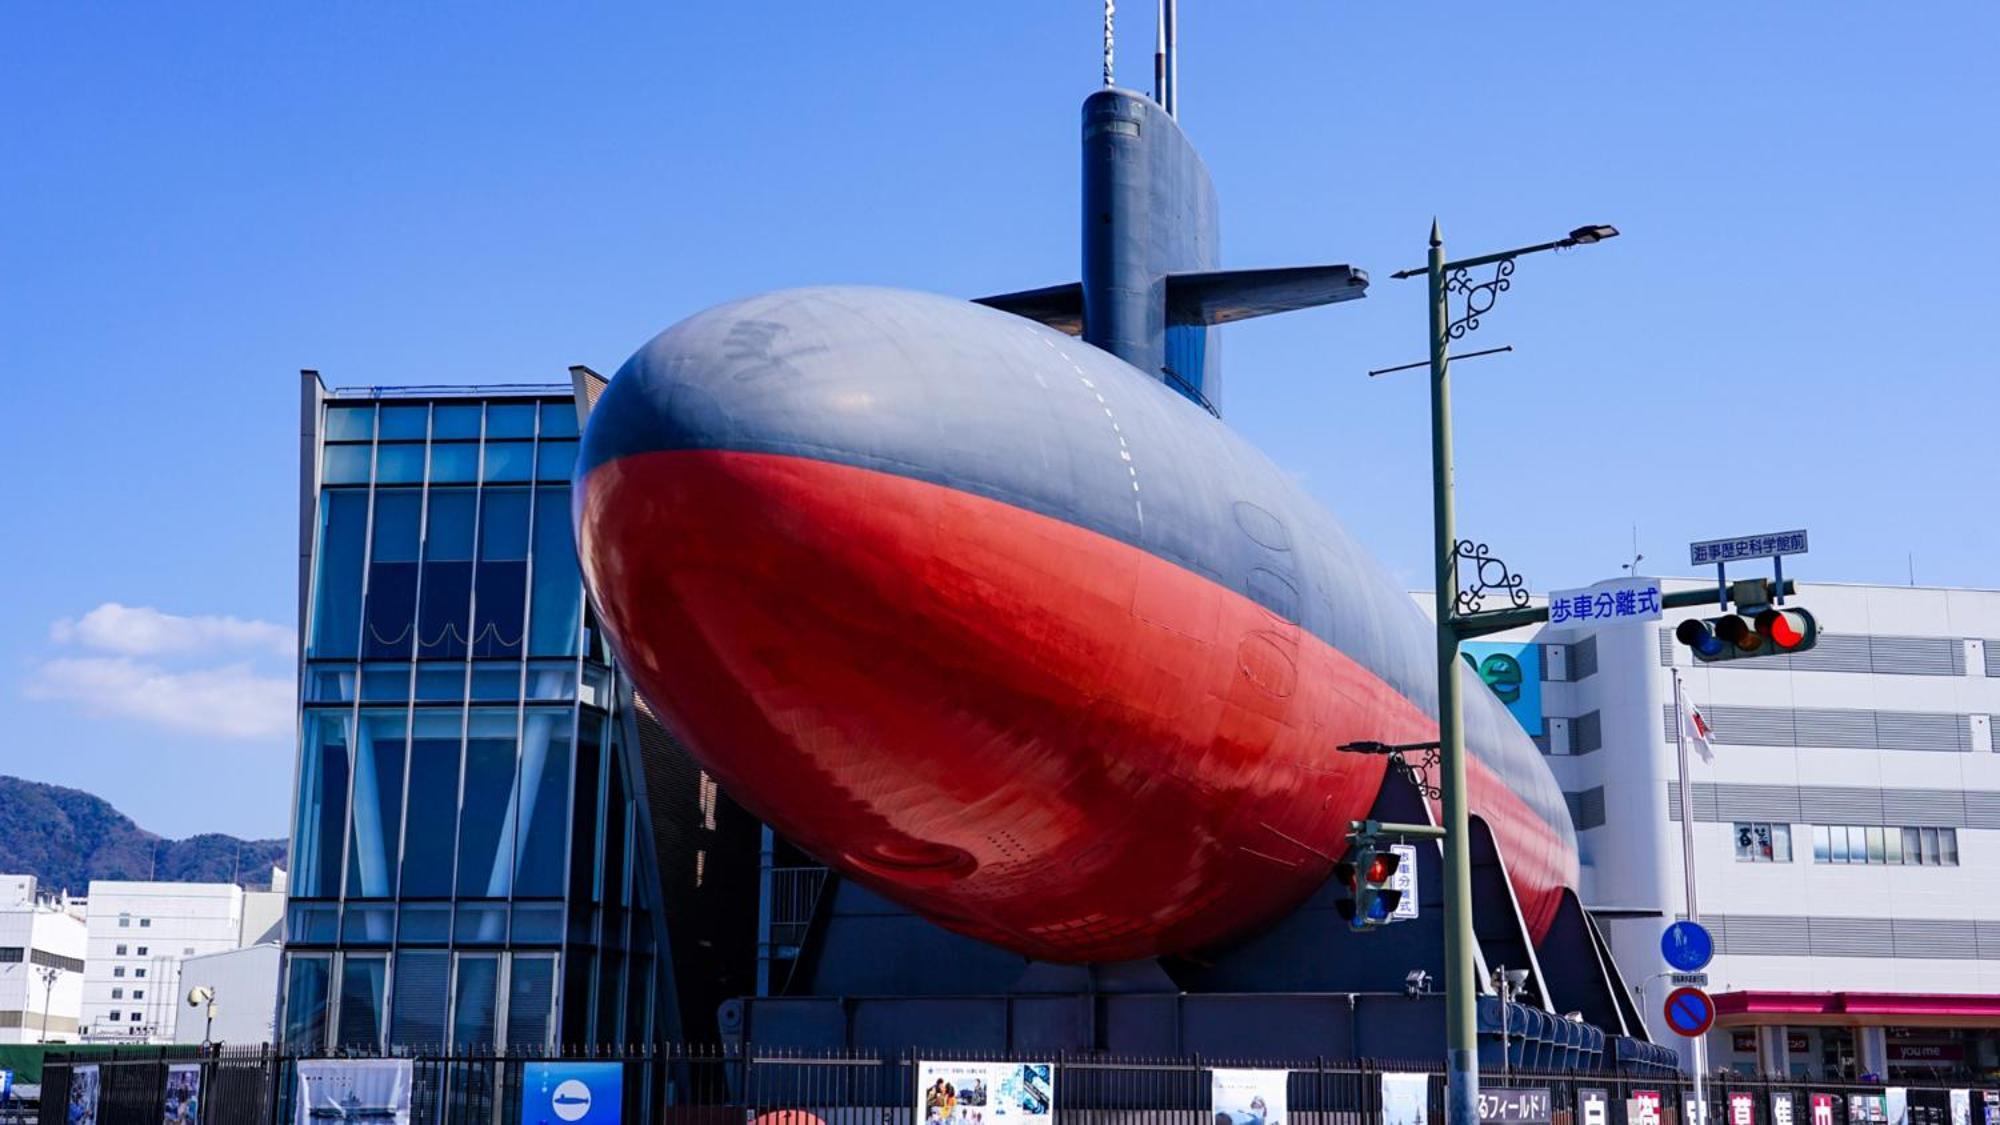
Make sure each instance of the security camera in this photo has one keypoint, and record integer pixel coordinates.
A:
(1416, 982)
(200, 994)
(1517, 977)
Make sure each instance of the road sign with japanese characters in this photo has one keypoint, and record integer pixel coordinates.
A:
(1607, 603)
(1710, 551)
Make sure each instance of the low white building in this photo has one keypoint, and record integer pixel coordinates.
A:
(1846, 825)
(42, 946)
(243, 988)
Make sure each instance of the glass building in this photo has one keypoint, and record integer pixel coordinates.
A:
(491, 838)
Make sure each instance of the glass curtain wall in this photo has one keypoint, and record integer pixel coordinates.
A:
(463, 838)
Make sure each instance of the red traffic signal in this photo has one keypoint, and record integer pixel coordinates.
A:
(1734, 636)
(1367, 877)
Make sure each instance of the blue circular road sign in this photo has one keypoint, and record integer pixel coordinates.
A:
(1690, 1012)
(1687, 946)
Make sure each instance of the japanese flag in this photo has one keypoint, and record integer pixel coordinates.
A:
(1695, 730)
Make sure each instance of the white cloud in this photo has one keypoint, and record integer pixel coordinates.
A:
(145, 631)
(233, 701)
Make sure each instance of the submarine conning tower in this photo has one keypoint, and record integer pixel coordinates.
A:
(1149, 212)
(1152, 293)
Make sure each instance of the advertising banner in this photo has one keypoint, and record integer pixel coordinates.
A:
(1248, 1097)
(182, 1105)
(1896, 1105)
(1593, 1106)
(1781, 1107)
(1961, 1107)
(1992, 1100)
(82, 1108)
(1742, 1109)
(1643, 1108)
(1406, 1099)
(985, 1093)
(376, 1090)
(1822, 1109)
(1514, 673)
(572, 1093)
(1868, 1108)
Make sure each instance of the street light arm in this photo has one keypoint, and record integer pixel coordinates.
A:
(1582, 236)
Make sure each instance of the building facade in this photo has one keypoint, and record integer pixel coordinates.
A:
(43, 940)
(139, 933)
(1845, 825)
(489, 833)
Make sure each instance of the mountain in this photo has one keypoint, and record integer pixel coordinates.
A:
(66, 837)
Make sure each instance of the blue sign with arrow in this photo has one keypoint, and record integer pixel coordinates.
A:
(1687, 946)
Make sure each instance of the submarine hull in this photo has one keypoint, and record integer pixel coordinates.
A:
(1004, 629)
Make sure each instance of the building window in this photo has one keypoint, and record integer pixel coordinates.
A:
(121, 951)
(1870, 844)
(134, 1017)
(145, 923)
(118, 994)
(118, 970)
(138, 972)
(115, 1016)
(1758, 842)
(141, 953)
(124, 921)
(138, 994)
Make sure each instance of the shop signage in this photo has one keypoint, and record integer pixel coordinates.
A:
(1822, 1109)
(1593, 1105)
(1926, 1052)
(1742, 1109)
(1746, 1042)
(1643, 1108)
(1781, 1108)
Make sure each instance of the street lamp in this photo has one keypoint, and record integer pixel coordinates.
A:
(1455, 624)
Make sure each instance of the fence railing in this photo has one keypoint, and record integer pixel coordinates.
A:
(681, 1084)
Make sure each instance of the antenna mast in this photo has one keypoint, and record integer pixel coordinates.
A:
(1110, 11)
(1170, 20)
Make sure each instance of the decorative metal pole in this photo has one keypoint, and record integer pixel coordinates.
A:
(1460, 982)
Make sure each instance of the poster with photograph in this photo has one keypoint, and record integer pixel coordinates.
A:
(985, 1093)
(182, 1105)
(376, 1090)
(1896, 1105)
(1961, 1107)
(1248, 1097)
(82, 1107)
(1406, 1099)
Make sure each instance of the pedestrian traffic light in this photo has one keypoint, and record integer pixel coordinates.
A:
(1367, 876)
(1770, 631)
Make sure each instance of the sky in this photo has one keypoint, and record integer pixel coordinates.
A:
(198, 200)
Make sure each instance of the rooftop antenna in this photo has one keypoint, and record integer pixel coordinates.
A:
(1172, 102)
(1110, 12)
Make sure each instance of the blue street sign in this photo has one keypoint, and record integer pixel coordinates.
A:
(1690, 1012)
(572, 1093)
(1687, 946)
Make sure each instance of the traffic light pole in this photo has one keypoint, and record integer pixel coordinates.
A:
(1461, 989)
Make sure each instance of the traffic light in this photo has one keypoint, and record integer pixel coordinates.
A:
(1367, 877)
(1769, 631)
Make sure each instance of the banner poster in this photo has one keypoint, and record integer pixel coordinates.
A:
(82, 1108)
(1992, 1100)
(1742, 1109)
(1248, 1097)
(376, 1090)
(1593, 1106)
(1643, 1108)
(182, 1105)
(572, 1093)
(1961, 1107)
(1499, 1105)
(1822, 1109)
(1896, 1105)
(985, 1093)
(1781, 1107)
(1867, 1108)
(1406, 1099)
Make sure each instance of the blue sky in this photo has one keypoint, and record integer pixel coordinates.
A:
(198, 200)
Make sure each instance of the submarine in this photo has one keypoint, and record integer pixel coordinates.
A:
(982, 603)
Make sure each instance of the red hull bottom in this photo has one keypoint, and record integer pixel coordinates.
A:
(1028, 732)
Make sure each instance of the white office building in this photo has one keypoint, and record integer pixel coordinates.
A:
(1846, 824)
(139, 935)
(42, 943)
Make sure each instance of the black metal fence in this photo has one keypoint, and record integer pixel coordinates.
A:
(687, 1085)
